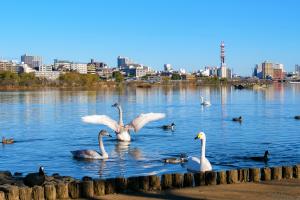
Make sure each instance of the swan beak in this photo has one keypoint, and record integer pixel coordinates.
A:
(196, 137)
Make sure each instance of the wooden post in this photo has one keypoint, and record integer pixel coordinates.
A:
(232, 176)
(62, 190)
(199, 178)
(276, 173)
(99, 187)
(296, 171)
(265, 174)
(221, 177)
(188, 180)
(110, 186)
(38, 193)
(121, 184)
(210, 178)
(144, 183)
(154, 183)
(166, 181)
(2, 195)
(255, 174)
(74, 189)
(50, 192)
(177, 180)
(25, 193)
(133, 184)
(243, 175)
(287, 172)
(87, 189)
(11, 192)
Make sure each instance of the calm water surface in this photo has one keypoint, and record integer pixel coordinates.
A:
(46, 126)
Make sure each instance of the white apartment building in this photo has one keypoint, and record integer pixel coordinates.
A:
(81, 68)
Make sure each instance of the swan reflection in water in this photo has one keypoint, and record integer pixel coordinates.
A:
(124, 148)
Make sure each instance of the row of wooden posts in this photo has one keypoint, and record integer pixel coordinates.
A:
(89, 188)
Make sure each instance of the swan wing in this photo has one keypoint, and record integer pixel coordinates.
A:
(101, 119)
(143, 119)
(193, 164)
(205, 165)
(86, 154)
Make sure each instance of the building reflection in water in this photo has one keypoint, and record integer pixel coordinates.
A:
(274, 92)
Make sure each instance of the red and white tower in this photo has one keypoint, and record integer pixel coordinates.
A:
(222, 53)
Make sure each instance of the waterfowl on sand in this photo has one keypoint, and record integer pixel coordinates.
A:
(33, 179)
(7, 140)
(120, 129)
(261, 158)
(92, 154)
(237, 119)
(169, 127)
(195, 164)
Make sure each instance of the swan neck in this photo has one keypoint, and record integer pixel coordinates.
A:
(120, 115)
(203, 143)
(101, 146)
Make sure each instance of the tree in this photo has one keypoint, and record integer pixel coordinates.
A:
(175, 76)
(8, 78)
(27, 79)
(118, 76)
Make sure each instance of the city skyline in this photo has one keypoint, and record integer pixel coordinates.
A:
(187, 35)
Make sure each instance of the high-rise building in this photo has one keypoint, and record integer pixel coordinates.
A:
(168, 67)
(32, 61)
(123, 62)
(258, 71)
(297, 69)
(267, 69)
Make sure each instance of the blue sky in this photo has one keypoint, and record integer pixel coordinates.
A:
(185, 33)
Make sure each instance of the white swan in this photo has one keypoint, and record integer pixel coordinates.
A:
(204, 102)
(92, 154)
(120, 129)
(202, 165)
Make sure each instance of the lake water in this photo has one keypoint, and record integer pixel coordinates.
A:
(47, 126)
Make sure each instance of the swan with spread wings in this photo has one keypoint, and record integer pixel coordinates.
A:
(123, 131)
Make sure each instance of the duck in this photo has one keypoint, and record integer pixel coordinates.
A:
(169, 126)
(33, 179)
(237, 119)
(123, 131)
(261, 158)
(175, 160)
(7, 140)
(297, 117)
(195, 164)
(92, 154)
(205, 102)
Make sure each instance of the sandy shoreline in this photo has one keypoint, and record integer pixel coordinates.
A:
(284, 189)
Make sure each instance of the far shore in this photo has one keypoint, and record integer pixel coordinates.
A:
(136, 84)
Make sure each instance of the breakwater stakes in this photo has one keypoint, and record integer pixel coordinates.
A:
(57, 187)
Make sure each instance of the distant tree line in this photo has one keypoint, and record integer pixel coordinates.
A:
(8, 78)
(71, 79)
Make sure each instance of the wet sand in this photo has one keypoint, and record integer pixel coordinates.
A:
(284, 189)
